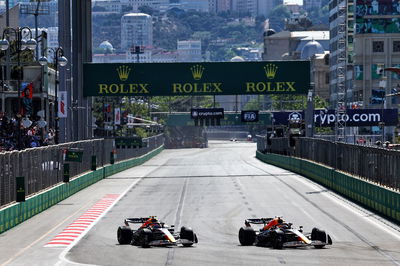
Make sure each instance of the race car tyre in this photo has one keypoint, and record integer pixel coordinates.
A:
(278, 238)
(187, 233)
(145, 237)
(317, 234)
(247, 236)
(124, 235)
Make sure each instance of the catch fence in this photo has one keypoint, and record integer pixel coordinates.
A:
(42, 167)
(372, 163)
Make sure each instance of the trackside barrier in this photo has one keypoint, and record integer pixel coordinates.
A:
(379, 199)
(19, 212)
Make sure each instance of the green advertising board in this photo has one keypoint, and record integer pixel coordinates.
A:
(20, 188)
(128, 142)
(73, 156)
(178, 79)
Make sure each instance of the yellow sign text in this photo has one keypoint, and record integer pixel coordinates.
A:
(207, 87)
(131, 88)
(270, 86)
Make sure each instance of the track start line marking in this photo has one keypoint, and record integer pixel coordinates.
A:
(82, 224)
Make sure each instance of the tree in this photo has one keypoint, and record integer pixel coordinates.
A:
(278, 15)
(147, 10)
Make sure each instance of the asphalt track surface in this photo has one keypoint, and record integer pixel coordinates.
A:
(212, 190)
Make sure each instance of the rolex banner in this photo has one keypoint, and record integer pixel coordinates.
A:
(177, 79)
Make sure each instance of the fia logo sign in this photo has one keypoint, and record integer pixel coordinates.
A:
(249, 116)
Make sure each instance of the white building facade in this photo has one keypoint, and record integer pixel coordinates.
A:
(189, 51)
(136, 30)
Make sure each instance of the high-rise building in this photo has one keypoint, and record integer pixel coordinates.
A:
(377, 46)
(311, 4)
(136, 30)
(341, 29)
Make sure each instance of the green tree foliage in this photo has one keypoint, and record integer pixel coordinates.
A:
(278, 15)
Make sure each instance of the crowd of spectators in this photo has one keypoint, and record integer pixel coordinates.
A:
(27, 137)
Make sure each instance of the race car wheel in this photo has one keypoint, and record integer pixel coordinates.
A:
(278, 238)
(187, 233)
(247, 236)
(124, 235)
(145, 237)
(320, 235)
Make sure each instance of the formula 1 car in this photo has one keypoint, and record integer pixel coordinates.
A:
(278, 234)
(152, 232)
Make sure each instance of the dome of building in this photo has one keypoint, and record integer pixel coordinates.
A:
(237, 59)
(106, 45)
(310, 49)
(269, 32)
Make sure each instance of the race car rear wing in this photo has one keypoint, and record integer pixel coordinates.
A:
(258, 221)
(136, 220)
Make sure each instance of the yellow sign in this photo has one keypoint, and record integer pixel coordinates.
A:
(197, 71)
(270, 71)
(200, 78)
(123, 72)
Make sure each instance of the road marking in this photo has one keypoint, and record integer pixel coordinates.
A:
(43, 236)
(62, 257)
(355, 208)
(61, 241)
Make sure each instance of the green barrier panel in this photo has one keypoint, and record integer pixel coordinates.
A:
(379, 199)
(17, 213)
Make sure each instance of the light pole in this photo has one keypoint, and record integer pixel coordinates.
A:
(21, 43)
(59, 59)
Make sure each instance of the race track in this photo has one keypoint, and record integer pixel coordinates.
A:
(213, 191)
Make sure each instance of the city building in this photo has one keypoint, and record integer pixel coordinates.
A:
(136, 30)
(40, 80)
(286, 45)
(197, 5)
(135, 4)
(13, 16)
(341, 31)
(217, 6)
(114, 6)
(162, 56)
(189, 51)
(293, 8)
(305, 45)
(312, 4)
(377, 46)
(319, 67)
(249, 54)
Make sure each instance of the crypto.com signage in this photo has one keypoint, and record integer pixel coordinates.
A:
(178, 79)
(353, 117)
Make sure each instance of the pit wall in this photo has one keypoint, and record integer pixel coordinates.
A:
(22, 211)
(381, 200)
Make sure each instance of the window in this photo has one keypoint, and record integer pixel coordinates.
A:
(377, 47)
(396, 46)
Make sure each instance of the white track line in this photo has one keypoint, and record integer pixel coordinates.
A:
(62, 257)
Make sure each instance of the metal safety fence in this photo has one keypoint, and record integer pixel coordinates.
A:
(371, 163)
(43, 167)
